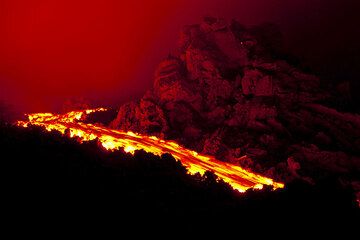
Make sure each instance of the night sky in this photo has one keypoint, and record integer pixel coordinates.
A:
(107, 50)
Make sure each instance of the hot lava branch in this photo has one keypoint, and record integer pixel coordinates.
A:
(70, 123)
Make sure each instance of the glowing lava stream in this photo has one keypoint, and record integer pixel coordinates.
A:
(239, 178)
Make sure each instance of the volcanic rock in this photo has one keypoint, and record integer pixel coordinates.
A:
(224, 93)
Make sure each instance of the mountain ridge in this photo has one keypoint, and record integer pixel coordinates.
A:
(227, 91)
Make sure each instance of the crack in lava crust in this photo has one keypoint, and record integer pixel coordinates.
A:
(239, 178)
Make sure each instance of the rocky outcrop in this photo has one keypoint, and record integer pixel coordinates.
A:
(222, 93)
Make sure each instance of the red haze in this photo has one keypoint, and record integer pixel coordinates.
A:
(107, 50)
(51, 50)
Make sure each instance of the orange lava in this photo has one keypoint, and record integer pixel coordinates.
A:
(239, 178)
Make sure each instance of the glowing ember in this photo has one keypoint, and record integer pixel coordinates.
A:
(239, 178)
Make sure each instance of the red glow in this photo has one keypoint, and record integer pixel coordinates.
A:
(62, 48)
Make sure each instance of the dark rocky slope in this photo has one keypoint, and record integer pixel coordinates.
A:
(49, 180)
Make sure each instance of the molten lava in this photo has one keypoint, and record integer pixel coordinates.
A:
(239, 178)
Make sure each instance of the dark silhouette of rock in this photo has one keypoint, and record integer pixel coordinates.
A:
(47, 176)
(225, 92)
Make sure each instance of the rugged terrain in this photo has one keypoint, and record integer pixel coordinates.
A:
(228, 92)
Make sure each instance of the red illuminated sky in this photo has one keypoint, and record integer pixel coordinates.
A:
(106, 50)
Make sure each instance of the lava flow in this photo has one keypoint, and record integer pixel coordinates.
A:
(239, 178)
